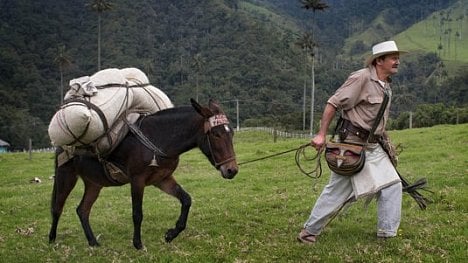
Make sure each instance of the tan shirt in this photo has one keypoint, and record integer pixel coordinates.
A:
(360, 98)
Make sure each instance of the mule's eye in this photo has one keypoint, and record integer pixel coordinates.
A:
(216, 133)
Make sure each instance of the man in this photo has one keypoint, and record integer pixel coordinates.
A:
(359, 100)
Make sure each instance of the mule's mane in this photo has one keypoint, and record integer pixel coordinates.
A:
(171, 111)
(179, 114)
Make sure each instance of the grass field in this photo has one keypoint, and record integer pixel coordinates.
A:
(253, 218)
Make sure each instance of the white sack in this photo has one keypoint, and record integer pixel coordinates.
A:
(146, 97)
(71, 122)
(73, 118)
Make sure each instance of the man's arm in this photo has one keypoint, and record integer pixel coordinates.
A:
(328, 114)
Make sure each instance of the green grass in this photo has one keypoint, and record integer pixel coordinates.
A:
(253, 218)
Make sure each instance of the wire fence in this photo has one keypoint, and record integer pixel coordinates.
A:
(278, 133)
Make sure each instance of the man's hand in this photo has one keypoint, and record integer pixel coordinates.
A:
(318, 142)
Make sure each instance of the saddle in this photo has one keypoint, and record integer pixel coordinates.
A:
(103, 148)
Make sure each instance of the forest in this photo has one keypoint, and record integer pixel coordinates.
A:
(249, 53)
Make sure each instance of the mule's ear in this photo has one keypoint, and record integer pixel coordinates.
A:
(195, 104)
(205, 112)
(212, 103)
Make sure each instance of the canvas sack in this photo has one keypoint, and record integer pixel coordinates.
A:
(112, 92)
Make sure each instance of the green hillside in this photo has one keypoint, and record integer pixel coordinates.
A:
(263, 13)
(241, 51)
(444, 32)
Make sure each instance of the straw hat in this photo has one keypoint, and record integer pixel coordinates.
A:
(383, 48)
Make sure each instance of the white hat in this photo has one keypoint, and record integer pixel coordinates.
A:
(380, 49)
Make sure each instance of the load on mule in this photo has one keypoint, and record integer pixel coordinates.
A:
(96, 107)
(146, 156)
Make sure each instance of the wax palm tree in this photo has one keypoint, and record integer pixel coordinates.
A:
(198, 63)
(306, 44)
(99, 6)
(148, 66)
(63, 61)
(313, 5)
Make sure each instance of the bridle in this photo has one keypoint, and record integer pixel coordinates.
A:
(210, 123)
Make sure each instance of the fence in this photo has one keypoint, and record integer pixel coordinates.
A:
(277, 133)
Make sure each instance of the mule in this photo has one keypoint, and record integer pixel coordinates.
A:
(174, 131)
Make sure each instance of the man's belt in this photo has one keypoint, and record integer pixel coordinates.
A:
(348, 127)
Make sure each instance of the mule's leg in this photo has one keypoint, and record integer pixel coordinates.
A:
(137, 188)
(90, 195)
(171, 187)
(64, 181)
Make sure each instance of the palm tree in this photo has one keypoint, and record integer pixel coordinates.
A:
(197, 63)
(63, 61)
(313, 5)
(99, 6)
(148, 67)
(306, 44)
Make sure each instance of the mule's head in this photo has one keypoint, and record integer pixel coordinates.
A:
(217, 144)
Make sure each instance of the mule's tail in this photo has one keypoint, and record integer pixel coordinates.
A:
(53, 229)
(54, 189)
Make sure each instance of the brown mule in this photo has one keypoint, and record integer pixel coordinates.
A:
(175, 131)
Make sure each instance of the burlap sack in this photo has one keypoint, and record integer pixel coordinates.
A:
(114, 92)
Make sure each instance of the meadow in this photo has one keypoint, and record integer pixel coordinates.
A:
(253, 218)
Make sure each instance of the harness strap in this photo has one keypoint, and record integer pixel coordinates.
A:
(144, 140)
(118, 85)
(97, 110)
(216, 163)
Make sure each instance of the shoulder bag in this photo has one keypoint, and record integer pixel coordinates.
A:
(348, 159)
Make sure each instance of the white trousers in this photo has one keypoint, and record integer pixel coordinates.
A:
(339, 191)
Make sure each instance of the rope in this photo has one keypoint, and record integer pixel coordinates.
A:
(318, 167)
(145, 141)
(300, 151)
(268, 156)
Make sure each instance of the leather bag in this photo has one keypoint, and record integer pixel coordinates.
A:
(344, 158)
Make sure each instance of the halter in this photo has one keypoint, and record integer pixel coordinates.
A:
(210, 123)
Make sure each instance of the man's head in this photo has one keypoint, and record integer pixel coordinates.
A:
(382, 49)
(386, 57)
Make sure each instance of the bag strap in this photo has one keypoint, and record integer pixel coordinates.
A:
(380, 114)
(377, 120)
(338, 124)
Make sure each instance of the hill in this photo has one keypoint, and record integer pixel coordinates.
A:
(444, 32)
(234, 50)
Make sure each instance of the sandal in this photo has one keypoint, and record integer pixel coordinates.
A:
(306, 238)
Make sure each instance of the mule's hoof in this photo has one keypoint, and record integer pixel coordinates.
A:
(138, 246)
(170, 235)
(94, 244)
(168, 238)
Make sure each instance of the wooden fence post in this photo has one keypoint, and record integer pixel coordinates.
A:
(30, 149)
